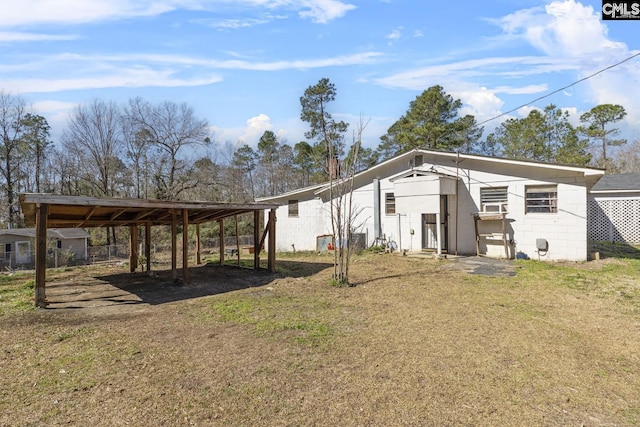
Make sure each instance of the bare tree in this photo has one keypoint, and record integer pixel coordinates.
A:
(171, 129)
(12, 112)
(93, 135)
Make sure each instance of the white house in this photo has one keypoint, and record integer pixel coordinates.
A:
(483, 205)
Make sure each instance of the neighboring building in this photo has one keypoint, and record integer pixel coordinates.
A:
(614, 209)
(455, 203)
(17, 244)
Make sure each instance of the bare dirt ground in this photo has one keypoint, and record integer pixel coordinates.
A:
(415, 342)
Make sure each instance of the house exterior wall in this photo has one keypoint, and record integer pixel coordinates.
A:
(299, 232)
(564, 230)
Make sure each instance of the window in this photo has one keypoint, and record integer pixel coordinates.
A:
(293, 208)
(59, 244)
(389, 203)
(542, 199)
(418, 161)
(493, 199)
(7, 251)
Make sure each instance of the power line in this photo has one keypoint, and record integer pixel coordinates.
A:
(561, 89)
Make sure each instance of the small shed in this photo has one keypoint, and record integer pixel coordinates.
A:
(17, 244)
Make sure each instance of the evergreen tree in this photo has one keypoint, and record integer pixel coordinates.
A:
(432, 122)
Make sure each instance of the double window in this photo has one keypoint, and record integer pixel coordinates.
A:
(541, 199)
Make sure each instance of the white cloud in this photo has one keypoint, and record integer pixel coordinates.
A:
(144, 70)
(526, 110)
(473, 69)
(33, 12)
(562, 28)
(14, 36)
(323, 11)
(62, 12)
(255, 128)
(395, 34)
(116, 78)
(522, 90)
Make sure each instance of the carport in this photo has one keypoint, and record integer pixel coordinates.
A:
(55, 211)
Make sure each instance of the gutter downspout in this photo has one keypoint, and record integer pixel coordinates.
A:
(377, 229)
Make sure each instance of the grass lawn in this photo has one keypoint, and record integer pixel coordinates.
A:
(413, 343)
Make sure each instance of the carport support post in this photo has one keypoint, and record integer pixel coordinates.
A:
(42, 211)
(271, 260)
(256, 240)
(221, 238)
(174, 249)
(133, 248)
(439, 233)
(147, 244)
(185, 246)
(198, 245)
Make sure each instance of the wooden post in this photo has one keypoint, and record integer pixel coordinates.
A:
(42, 213)
(221, 237)
(133, 248)
(198, 246)
(271, 260)
(147, 244)
(185, 246)
(476, 217)
(235, 217)
(504, 236)
(256, 239)
(174, 249)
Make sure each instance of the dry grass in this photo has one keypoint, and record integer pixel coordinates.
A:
(414, 343)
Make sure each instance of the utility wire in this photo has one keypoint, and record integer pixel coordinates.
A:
(561, 89)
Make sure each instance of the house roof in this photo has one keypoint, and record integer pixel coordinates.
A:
(87, 212)
(55, 233)
(592, 174)
(625, 182)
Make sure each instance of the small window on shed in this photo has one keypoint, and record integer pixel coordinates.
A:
(418, 160)
(389, 203)
(7, 251)
(293, 208)
(59, 244)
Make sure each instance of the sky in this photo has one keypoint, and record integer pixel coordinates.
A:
(244, 64)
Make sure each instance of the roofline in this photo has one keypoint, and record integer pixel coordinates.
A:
(458, 156)
(309, 188)
(585, 170)
(613, 191)
(321, 188)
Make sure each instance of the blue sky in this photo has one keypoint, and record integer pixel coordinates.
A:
(243, 64)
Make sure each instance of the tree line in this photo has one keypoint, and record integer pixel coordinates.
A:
(166, 151)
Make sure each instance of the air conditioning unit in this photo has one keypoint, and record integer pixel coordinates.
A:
(495, 207)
